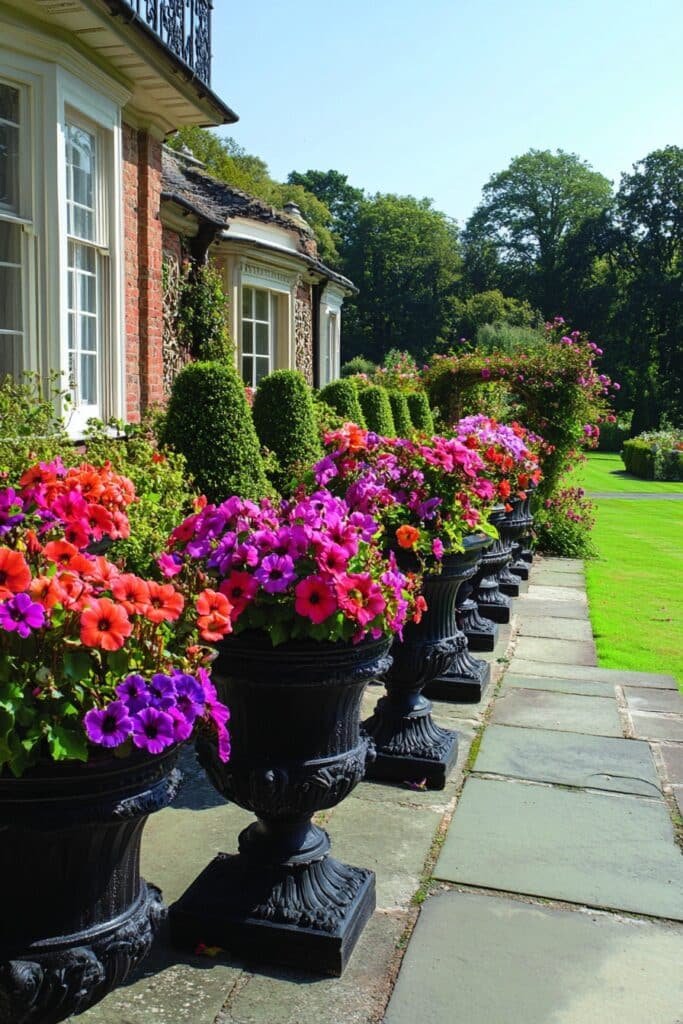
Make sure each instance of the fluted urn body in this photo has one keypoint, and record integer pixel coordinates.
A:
(296, 749)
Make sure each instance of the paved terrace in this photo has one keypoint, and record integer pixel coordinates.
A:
(549, 888)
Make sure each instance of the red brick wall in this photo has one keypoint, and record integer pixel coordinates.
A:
(172, 245)
(143, 277)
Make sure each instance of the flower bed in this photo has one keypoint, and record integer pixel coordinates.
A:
(656, 455)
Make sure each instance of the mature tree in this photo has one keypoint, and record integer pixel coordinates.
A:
(650, 225)
(229, 162)
(341, 199)
(404, 257)
(492, 307)
(528, 214)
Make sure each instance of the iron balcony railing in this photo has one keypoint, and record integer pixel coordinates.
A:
(184, 28)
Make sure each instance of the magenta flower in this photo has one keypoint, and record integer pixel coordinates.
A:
(182, 727)
(21, 615)
(153, 730)
(275, 573)
(170, 565)
(314, 599)
(109, 727)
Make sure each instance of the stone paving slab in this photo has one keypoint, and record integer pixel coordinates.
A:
(547, 578)
(521, 666)
(557, 564)
(544, 755)
(564, 652)
(581, 686)
(605, 850)
(678, 796)
(527, 607)
(568, 712)
(553, 628)
(481, 959)
(557, 593)
(672, 756)
(657, 727)
(641, 698)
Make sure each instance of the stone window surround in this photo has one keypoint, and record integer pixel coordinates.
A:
(53, 94)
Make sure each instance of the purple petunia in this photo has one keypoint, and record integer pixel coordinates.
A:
(161, 690)
(189, 696)
(275, 573)
(21, 615)
(11, 507)
(110, 726)
(153, 730)
(134, 693)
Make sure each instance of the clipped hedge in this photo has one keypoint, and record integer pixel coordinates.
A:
(420, 413)
(651, 462)
(209, 422)
(374, 401)
(342, 396)
(612, 437)
(285, 421)
(399, 410)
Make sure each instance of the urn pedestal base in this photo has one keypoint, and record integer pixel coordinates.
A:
(306, 914)
(498, 610)
(410, 746)
(520, 568)
(464, 682)
(482, 635)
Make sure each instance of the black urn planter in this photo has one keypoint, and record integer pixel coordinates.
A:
(511, 529)
(409, 745)
(467, 677)
(521, 549)
(296, 749)
(492, 603)
(76, 916)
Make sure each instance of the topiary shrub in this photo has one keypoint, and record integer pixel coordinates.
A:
(342, 396)
(359, 364)
(326, 417)
(399, 410)
(209, 422)
(639, 458)
(420, 413)
(285, 422)
(374, 401)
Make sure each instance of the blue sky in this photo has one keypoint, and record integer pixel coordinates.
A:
(431, 97)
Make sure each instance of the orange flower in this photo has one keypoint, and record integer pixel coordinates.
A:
(43, 590)
(407, 536)
(420, 608)
(105, 625)
(71, 591)
(15, 574)
(165, 603)
(60, 551)
(132, 592)
(214, 619)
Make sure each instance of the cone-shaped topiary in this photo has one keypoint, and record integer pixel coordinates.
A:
(285, 422)
(343, 397)
(374, 401)
(401, 413)
(420, 413)
(209, 421)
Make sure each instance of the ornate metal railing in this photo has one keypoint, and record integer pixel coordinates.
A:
(183, 26)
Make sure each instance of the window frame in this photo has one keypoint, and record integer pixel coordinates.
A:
(272, 324)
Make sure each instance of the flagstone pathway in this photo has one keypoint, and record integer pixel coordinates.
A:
(549, 888)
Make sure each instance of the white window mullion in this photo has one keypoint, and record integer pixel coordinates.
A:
(258, 333)
(14, 219)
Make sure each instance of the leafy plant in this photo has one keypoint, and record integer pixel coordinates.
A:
(203, 315)
(374, 402)
(401, 414)
(209, 422)
(285, 422)
(30, 427)
(342, 396)
(563, 524)
(359, 364)
(420, 413)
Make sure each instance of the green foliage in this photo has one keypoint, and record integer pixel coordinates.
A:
(326, 416)
(30, 428)
(612, 437)
(210, 423)
(285, 422)
(203, 315)
(359, 364)
(502, 337)
(164, 493)
(342, 396)
(492, 307)
(229, 162)
(401, 413)
(374, 401)
(404, 256)
(420, 413)
(563, 524)
(399, 372)
(341, 199)
(657, 455)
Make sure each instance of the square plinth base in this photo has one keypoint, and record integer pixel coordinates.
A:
(460, 689)
(482, 641)
(496, 612)
(405, 768)
(520, 569)
(212, 912)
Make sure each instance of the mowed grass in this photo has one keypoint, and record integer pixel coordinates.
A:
(604, 471)
(634, 588)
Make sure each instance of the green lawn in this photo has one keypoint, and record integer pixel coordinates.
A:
(605, 472)
(634, 587)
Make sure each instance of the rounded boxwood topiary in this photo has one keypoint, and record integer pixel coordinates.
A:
(209, 422)
(420, 413)
(284, 417)
(374, 401)
(342, 396)
(401, 413)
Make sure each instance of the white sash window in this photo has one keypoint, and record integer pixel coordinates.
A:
(259, 334)
(13, 220)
